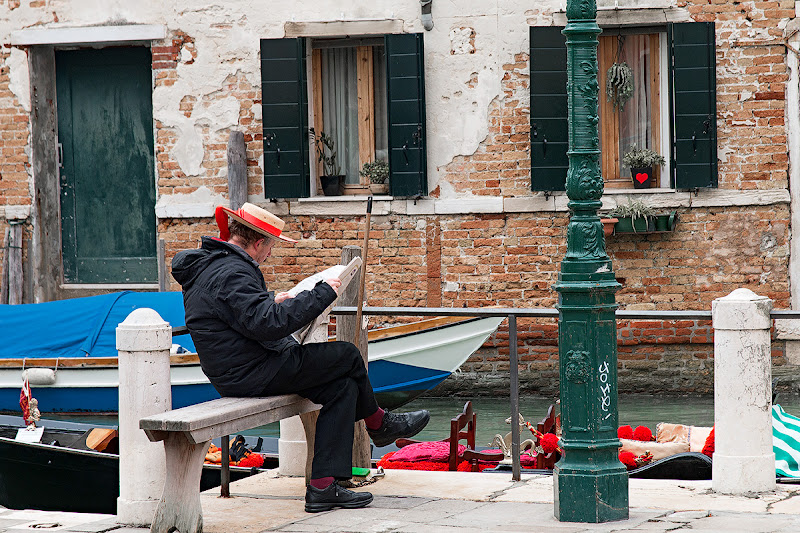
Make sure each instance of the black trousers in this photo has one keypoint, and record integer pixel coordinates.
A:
(331, 374)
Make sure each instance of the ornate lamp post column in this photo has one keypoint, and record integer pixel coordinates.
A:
(590, 484)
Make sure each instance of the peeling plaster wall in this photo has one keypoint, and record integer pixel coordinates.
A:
(470, 41)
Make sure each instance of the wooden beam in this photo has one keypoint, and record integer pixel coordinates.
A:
(237, 170)
(316, 91)
(346, 331)
(655, 102)
(366, 106)
(46, 255)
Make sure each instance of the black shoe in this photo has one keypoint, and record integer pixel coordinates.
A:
(334, 496)
(399, 426)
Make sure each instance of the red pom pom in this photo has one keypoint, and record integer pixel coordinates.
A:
(642, 433)
(625, 432)
(549, 443)
(628, 459)
(708, 447)
(252, 460)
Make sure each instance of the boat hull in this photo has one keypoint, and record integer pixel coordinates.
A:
(401, 368)
(59, 478)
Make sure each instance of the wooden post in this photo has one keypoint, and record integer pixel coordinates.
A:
(346, 331)
(163, 282)
(12, 265)
(237, 170)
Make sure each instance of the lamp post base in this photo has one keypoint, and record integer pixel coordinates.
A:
(590, 496)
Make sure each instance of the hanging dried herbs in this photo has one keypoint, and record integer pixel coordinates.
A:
(619, 80)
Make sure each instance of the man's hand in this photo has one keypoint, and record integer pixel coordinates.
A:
(335, 284)
(282, 296)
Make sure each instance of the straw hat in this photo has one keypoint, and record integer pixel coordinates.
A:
(253, 217)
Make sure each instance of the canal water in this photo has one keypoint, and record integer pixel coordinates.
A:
(634, 410)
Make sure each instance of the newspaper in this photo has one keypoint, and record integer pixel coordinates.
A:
(345, 273)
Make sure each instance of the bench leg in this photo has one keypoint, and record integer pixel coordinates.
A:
(179, 508)
(310, 426)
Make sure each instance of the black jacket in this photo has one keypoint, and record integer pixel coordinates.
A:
(239, 331)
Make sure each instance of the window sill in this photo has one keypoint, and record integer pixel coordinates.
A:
(109, 286)
(346, 198)
(536, 203)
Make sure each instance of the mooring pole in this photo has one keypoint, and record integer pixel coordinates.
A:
(590, 484)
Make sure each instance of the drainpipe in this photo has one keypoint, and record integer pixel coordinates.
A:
(427, 18)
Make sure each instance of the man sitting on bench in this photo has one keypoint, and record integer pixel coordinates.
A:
(242, 333)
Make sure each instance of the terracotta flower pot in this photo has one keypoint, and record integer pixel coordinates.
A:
(608, 225)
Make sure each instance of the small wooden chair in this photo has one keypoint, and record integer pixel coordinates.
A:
(462, 427)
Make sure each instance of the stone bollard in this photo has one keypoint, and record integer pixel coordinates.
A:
(143, 341)
(743, 458)
(292, 448)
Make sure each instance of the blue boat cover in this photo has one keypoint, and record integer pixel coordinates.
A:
(81, 327)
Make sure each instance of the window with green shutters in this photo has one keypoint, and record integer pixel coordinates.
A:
(678, 58)
(368, 96)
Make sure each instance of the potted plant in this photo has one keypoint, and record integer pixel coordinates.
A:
(641, 162)
(331, 180)
(634, 217)
(377, 172)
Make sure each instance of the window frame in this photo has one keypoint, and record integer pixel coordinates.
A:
(365, 88)
(611, 160)
(691, 92)
(287, 177)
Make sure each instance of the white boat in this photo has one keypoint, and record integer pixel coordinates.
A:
(404, 361)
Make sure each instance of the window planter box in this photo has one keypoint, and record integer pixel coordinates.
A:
(655, 224)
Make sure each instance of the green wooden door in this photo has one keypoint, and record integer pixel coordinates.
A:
(105, 135)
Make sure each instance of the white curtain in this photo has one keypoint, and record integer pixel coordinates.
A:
(340, 107)
(634, 120)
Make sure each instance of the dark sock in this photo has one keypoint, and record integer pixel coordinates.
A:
(321, 483)
(375, 420)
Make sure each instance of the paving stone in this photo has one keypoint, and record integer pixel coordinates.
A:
(397, 502)
(100, 526)
(686, 516)
(742, 522)
(500, 515)
(435, 510)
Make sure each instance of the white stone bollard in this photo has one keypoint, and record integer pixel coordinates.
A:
(743, 458)
(292, 448)
(143, 342)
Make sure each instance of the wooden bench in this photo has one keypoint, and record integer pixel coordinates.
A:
(186, 434)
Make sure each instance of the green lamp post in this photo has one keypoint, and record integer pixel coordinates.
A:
(590, 484)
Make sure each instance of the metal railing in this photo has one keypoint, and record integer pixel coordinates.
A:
(512, 313)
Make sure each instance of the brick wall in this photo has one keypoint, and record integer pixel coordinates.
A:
(751, 84)
(14, 137)
(513, 261)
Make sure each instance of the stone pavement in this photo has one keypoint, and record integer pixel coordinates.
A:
(444, 502)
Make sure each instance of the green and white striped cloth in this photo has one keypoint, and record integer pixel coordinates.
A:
(785, 442)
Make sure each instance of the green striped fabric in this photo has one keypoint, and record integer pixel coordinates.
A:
(786, 442)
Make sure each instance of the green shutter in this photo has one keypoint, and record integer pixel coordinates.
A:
(693, 104)
(284, 102)
(548, 109)
(406, 109)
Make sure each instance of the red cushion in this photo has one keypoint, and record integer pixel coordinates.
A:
(426, 451)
